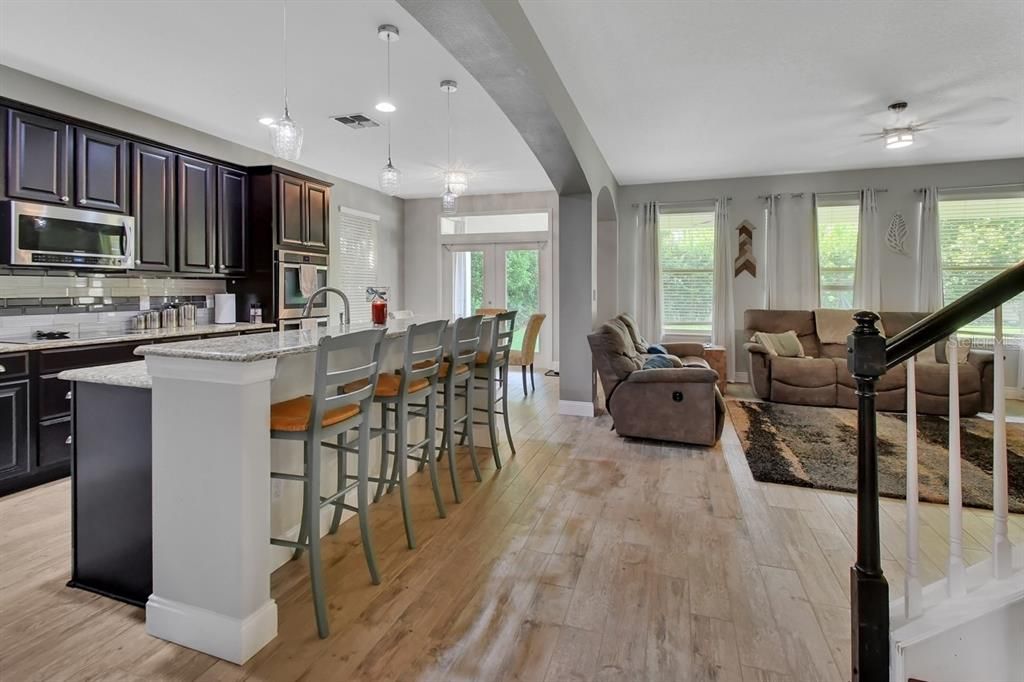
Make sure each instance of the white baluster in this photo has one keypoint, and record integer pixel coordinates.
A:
(1002, 550)
(955, 572)
(912, 581)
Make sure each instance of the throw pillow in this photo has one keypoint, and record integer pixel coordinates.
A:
(833, 326)
(785, 345)
(963, 349)
(657, 349)
(658, 362)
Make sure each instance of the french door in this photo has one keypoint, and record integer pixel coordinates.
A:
(513, 276)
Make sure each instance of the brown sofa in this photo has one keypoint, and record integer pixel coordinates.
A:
(822, 377)
(680, 404)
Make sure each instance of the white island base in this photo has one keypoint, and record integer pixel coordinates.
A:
(214, 508)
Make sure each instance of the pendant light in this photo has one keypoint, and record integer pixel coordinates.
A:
(285, 134)
(390, 177)
(449, 200)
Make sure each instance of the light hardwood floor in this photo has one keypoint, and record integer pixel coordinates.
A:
(587, 557)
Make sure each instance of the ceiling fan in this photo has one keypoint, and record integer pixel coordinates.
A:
(901, 133)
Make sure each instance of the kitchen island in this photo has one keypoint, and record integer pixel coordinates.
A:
(214, 508)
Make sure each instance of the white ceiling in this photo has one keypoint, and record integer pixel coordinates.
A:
(215, 65)
(704, 89)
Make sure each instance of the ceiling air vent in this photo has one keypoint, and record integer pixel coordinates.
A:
(356, 121)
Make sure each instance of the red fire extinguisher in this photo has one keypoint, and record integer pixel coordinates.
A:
(379, 308)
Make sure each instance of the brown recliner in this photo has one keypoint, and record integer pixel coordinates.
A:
(822, 378)
(681, 404)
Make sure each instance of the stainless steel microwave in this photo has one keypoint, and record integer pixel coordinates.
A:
(62, 237)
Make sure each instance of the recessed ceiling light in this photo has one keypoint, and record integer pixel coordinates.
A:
(267, 120)
(385, 107)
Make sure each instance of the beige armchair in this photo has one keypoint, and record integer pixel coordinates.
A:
(524, 358)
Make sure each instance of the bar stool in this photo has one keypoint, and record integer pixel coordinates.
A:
(416, 380)
(313, 418)
(462, 351)
(492, 365)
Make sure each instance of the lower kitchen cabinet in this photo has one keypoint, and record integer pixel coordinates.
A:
(14, 430)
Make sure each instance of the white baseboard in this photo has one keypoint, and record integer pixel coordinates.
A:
(576, 408)
(740, 378)
(554, 365)
(232, 639)
(1014, 393)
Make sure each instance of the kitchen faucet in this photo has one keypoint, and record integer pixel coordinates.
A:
(342, 317)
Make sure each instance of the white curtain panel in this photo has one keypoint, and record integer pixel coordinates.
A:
(771, 267)
(648, 274)
(812, 287)
(929, 254)
(867, 276)
(723, 317)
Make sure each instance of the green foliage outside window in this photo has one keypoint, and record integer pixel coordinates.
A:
(837, 254)
(686, 249)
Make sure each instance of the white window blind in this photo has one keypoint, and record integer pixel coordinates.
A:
(981, 237)
(355, 264)
(838, 220)
(686, 248)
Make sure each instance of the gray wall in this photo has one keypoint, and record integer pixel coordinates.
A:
(24, 87)
(899, 271)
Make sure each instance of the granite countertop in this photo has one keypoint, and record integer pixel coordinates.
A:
(263, 346)
(118, 336)
(129, 374)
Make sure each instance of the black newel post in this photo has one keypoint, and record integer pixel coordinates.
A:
(869, 592)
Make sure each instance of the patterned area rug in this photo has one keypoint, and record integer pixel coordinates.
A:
(816, 447)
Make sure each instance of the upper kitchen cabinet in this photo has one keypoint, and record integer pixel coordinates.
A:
(153, 207)
(38, 158)
(318, 215)
(232, 221)
(296, 210)
(101, 171)
(197, 215)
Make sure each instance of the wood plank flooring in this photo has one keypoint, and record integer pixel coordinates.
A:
(587, 557)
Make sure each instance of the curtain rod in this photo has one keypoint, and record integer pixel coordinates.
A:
(685, 203)
(964, 189)
(779, 195)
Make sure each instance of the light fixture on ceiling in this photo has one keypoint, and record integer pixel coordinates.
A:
(455, 182)
(387, 33)
(899, 137)
(285, 134)
(390, 178)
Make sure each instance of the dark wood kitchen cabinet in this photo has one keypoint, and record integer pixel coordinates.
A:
(15, 424)
(232, 220)
(38, 158)
(197, 215)
(153, 207)
(101, 171)
(318, 215)
(291, 212)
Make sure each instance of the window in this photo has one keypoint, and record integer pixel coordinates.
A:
(686, 248)
(496, 223)
(980, 236)
(838, 220)
(354, 266)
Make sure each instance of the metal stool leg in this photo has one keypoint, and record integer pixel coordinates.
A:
(382, 472)
(312, 523)
(430, 452)
(467, 428)
(504, 407)
(448, 437)
(303, 535)
(363, 497)
(401, 452)
(342, 481)
(491, 419)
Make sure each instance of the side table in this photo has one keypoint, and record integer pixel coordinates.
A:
(715, 355)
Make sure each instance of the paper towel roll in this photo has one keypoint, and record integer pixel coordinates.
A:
(224, 308)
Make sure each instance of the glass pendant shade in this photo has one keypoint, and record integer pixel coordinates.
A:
(457, 182)
(286, 138)
(449, 201)
(390, 179)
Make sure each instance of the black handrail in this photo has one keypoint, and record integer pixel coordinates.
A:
(940, 324)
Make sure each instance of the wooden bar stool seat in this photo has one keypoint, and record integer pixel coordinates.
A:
(389, 385)
(294, 414)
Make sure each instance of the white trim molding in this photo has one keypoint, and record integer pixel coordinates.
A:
(358, 213)
(576, 408)
(232, 639)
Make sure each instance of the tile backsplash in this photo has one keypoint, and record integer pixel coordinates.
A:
(94, 301)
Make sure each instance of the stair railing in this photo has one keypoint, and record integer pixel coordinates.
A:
(868, 357)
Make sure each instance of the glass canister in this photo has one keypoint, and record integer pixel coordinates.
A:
(379, 307)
